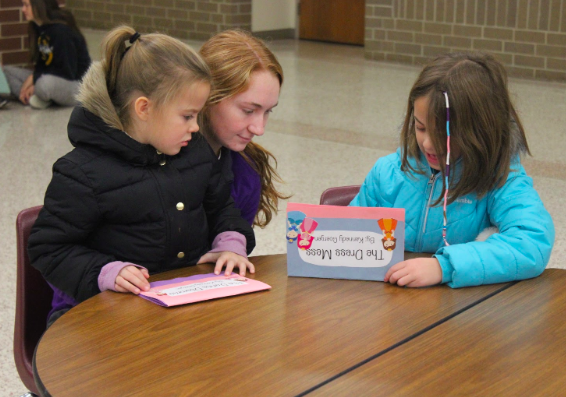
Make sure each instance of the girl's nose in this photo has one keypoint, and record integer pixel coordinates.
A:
(257, 127)
(427, 143)
(194, 128)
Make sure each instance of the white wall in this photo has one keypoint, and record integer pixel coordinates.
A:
(273, 15)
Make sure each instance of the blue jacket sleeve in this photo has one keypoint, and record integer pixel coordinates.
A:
(520, 250)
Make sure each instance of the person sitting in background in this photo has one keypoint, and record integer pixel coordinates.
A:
(58, 52)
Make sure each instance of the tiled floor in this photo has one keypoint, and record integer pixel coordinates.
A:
(337, 114)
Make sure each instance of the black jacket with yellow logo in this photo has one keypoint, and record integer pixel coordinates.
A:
(62, 52)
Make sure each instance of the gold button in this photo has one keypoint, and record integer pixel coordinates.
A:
(162, 162)
(180, 206)
(181, 255)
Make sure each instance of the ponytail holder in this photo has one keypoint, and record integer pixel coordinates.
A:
(134, 37)
(131, 41)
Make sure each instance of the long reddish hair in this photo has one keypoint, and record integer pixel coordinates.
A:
(232, 57)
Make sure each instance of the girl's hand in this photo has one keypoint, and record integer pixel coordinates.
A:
(131, 279)
(26, 94)
(230, 259)
(27, 90)
(418, 272)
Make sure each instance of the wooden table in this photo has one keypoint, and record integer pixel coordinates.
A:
(513, 344)
(286, 341)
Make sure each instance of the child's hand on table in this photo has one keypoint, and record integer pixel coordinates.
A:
(131, 279)
(228, 259)
(418, 272)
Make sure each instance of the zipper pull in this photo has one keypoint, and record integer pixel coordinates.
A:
(431, 179)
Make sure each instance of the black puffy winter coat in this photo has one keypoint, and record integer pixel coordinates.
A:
(114, 199)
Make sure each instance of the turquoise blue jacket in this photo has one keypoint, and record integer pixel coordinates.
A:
(521, 249)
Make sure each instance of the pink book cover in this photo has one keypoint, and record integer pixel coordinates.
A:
(202, 287)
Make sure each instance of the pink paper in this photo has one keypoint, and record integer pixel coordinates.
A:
(202, 287)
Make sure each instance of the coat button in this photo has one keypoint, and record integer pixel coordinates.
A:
(181, 255)
(162, 162)
(180, 206)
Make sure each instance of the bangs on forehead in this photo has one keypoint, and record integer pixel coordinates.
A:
(171, 89)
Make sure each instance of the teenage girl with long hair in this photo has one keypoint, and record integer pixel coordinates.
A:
(247, 79)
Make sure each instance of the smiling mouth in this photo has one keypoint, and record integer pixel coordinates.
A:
(432, 158)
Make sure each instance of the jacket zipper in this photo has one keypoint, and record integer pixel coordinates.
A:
(430, 184)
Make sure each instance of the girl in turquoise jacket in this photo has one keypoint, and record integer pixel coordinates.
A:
(459, 178)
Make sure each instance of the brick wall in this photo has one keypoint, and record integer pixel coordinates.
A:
(185, 19)
(528, 36)
(13, 34)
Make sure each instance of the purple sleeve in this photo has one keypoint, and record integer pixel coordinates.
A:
(246, 188)
(109, 272)
(230, 241)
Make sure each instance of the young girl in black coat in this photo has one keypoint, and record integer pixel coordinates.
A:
(138, 194)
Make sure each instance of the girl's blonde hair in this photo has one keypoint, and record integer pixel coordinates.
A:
(485, 129)
(154, 65)
(233, 56)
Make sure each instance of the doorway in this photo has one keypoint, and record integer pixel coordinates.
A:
(337, 21)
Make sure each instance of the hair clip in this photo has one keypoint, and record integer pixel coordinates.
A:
(129, 43)
(134, 37)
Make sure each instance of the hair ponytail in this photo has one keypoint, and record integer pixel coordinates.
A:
(153, 65)
(114, 47)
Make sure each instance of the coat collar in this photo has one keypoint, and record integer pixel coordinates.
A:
(87, 129)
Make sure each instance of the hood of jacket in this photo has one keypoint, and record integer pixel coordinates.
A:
(96, 124)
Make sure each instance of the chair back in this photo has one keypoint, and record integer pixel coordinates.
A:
(33, 301)
(341, 195)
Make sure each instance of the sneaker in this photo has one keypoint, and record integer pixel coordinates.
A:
(38, 103)
(3, 103)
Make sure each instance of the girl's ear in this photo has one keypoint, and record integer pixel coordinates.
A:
(142, 107)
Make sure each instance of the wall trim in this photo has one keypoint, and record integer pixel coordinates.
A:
(277, 34)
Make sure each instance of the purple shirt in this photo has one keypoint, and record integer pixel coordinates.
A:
(246, 188)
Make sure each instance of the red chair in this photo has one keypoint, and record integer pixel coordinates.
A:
(33, 301)
(341, 195)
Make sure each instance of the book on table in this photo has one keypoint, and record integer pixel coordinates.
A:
(358, 243)
(201, 287)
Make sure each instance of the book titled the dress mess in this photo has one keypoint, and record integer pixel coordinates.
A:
(356, 243)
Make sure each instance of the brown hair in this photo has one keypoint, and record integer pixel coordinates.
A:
(233, 56)
(153, 65)
(484, 126)
(48, 11)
